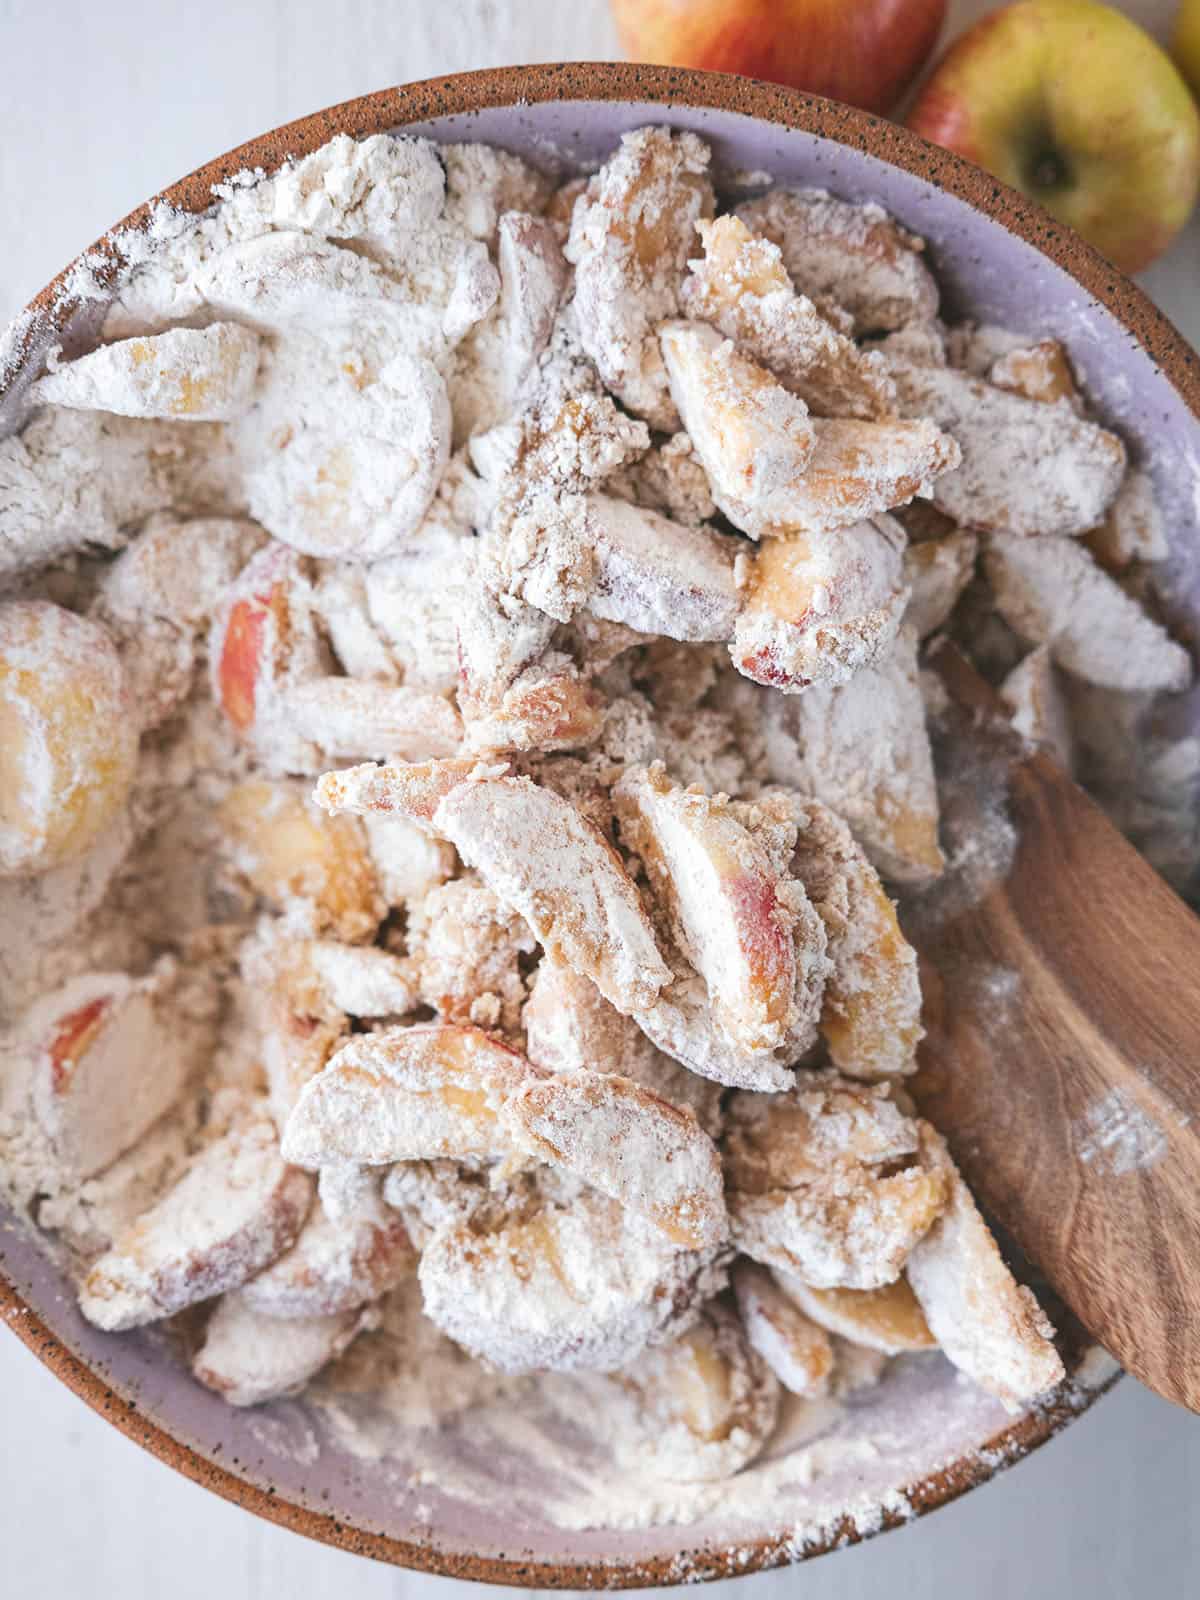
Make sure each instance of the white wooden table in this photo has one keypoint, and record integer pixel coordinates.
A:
(101, 106)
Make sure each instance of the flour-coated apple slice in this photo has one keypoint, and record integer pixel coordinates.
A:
(1027, 468)
(363, 981)
(347, 717)
(871, 1009)
(108, 1055)
(540, 856)
(249, 1358)
(817, 609)
(263, 641)
(334, 1265)
(743, 289)
(754, 439)
(1133, 529)
(1052, 592)
(561, 1287)
(889, 1320)
(849, 252)
(407, 1094)
(863, 749)
(991, 1327)
(703, 1405)
(828, 1182)
(1040, 371)
(1033, 693)
(730, 914)
(937, 571)
(202, 374)
(313, 866)
(571, 1028)
(652, 1157)
(796, 1348)
(410, 790)
(660, 577)
(631, 234)
(237, 1208)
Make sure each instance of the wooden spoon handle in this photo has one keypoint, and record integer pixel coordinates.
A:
(1063, 1063)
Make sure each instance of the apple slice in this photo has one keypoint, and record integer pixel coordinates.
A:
(828, 1182)
(871, 1015)
(263, 640)
(233, 1212)
(660, 577)
(361, 980)
(543, 1287)
(533, 278)
(347, 717)
(1133, 530)
(668, 478)
(724, 900)
(681, 1024)
(889, 1320)
(991, 1327)
(203, 374)
(334, 1266)
(796, 1348)
(1050, 591)
(248, 1358)
(705, 1405)
(625, 1141)
(571, 1028)
(817, 610)
(111, 1055)
(937, 571)
(351, 470)
(292, 1020)
(411, 791)
(631, 233)
(467, 954)
(549, 706)
(311, 866)
(853, 254)
(882, 784)
(743, 289)
(1027, 468)
(407, 861)
(754, 439)
(68, 736)
(545, 860)
(1039, 708)
(289, 280)
(1040, 371)
(407, 1094)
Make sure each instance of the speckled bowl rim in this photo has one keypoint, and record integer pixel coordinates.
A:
(49, 313)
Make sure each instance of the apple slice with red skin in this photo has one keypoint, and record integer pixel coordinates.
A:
(236, 1209)
(817, 609)
(90, 1042)
(722, 895)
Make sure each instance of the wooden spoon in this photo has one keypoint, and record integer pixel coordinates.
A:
(1063, 1056)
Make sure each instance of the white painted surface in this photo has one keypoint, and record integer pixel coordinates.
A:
(101, 106)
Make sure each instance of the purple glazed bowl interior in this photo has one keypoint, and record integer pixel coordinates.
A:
(932, 1433)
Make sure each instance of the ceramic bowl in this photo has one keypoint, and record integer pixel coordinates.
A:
(998, 258)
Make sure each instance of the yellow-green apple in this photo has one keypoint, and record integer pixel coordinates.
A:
(1185, 43)
(865, 52)
(1072, 103)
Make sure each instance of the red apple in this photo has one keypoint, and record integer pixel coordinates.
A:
(1076, 106)
(865, 52)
